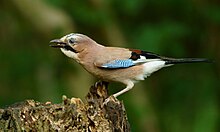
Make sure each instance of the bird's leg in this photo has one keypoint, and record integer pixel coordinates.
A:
(129, 86)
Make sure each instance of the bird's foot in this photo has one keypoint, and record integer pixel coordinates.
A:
(109, 99)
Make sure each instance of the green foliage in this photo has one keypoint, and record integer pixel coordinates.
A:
(184, 98)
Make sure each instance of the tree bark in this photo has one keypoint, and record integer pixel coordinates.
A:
(71, 115)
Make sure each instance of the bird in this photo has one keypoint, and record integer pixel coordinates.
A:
(115, 64)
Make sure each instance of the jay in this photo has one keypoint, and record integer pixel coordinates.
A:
(114, 64)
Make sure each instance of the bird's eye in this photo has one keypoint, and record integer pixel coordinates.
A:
(71, 41)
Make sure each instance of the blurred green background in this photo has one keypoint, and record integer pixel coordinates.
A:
(182, 98)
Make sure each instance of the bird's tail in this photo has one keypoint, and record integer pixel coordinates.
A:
(169, 61)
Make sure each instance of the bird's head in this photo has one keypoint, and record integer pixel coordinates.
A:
(72, 44)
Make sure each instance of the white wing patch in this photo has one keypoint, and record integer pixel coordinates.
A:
(144, 60)
(149, 68)
(153, 66)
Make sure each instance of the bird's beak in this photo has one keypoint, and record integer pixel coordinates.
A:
(57, 43)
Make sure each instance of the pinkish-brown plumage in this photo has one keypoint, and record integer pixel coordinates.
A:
(113, 64)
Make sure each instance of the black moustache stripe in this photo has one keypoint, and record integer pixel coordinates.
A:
(67, 47)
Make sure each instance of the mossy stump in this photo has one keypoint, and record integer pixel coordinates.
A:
(71, 115)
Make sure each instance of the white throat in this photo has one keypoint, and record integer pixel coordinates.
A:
(70, 54)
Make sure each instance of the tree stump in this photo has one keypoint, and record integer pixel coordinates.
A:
(71, 115)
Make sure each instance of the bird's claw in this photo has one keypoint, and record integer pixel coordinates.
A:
(107, 100)
(97, 84)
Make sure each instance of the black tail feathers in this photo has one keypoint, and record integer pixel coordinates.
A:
(169, 61)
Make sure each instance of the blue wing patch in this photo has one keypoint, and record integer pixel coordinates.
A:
(119, 64)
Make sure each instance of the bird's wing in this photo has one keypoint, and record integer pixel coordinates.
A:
(136, 57)
(118, 64)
